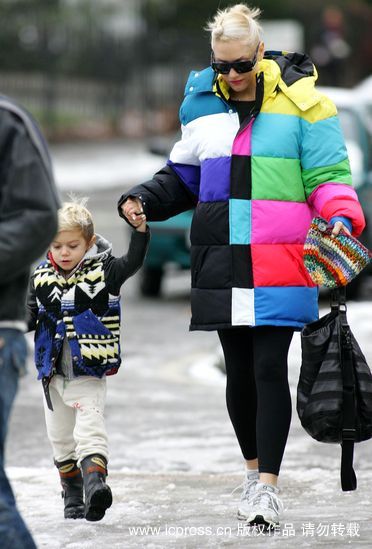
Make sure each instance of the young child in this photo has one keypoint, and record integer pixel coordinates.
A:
(74, 304)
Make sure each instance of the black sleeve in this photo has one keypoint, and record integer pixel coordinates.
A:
(29, 201)
(31, 308)
(162, 197)
(118, 269)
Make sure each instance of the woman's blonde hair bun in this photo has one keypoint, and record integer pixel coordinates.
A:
(238, 22)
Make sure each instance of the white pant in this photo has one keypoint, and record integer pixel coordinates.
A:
(76, 427)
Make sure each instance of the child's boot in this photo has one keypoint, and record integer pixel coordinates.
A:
(98, 495)
(72, 488)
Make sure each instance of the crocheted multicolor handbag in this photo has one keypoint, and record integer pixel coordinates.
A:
(333, 261)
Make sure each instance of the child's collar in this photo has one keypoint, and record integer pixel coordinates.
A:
(51, 259)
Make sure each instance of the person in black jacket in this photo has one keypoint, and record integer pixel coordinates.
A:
(28, 222)
(74, 305)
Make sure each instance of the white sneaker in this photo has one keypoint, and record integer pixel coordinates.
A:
(249, 487)
(265, 506)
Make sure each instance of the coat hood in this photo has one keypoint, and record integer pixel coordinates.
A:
(294, 74)
(100, 250)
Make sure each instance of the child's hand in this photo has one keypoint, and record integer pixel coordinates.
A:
(142, 228)
(133, 211)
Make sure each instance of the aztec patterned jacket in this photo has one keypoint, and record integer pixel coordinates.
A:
(256, 187)
(84, 308)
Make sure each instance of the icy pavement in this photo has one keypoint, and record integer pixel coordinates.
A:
(189, 510)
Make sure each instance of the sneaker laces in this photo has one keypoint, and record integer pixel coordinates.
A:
(266, 499)
(246, 487)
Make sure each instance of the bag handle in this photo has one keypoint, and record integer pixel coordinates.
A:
(338, 299)
(348, 477)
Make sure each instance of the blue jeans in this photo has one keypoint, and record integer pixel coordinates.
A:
(13, 352)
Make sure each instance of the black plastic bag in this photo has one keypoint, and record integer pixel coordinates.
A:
(334, 393)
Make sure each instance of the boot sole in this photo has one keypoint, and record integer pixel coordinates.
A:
(99, 502)
(76, 514)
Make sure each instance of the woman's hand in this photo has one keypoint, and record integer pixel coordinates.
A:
(338, 226)
(133, 211)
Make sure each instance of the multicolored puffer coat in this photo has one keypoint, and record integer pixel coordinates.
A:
(256, 187)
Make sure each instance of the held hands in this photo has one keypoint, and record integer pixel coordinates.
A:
(133, 211)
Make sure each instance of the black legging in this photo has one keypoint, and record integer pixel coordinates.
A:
(257, 391)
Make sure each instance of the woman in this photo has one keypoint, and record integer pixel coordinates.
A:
(261, 152)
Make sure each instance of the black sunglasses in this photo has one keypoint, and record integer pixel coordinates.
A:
(238, 66)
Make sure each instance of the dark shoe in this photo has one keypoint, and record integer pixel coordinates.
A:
(72, 488)
(98, 495)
